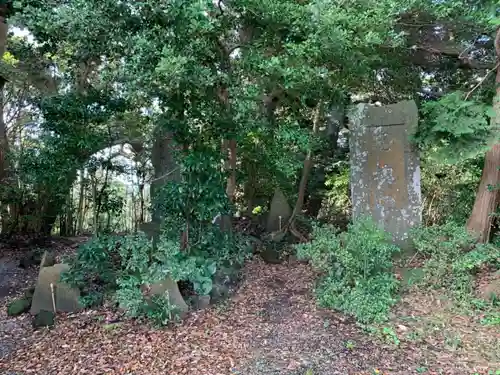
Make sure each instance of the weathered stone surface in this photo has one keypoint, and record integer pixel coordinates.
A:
(492, 288)
(48, 259)
(43, 318)
(168, 285)
(279, 208)
(385, 167)
(66, 297)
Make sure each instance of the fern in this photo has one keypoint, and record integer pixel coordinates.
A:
(453, 129)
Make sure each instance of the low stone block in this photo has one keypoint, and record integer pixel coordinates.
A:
(66, 298)
(43, 318)
(279, 212)
(169, 286)
(48, 259)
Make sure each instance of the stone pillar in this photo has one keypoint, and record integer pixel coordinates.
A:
(385, 167)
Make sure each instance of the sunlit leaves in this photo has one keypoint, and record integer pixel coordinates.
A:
(454, 129)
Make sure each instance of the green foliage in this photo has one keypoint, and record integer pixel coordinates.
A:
(454, 129)
(356, 267)
(322, 250)
(95, 269)
(121, 266)
(453, 257)
(449, 190)
(199, 195)
(18, 306)
(338, 196)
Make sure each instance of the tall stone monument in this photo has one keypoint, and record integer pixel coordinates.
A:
(385, 167)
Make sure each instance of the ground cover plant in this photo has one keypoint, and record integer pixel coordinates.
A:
(177, 178)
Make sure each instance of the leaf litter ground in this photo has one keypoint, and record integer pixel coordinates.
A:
(270, 326)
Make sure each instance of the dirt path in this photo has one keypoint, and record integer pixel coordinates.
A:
(271, 326)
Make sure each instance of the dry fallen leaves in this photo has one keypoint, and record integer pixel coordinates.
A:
(271, 326)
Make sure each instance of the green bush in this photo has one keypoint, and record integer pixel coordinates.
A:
(356, 269)
(95, 269)
(336, 203)
(453, 257)
(449, 191)
(337, 193)
(18, 306)
(117, 267)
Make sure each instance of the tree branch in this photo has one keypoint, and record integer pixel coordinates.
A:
(482, 80)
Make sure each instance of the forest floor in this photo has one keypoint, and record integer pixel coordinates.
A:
(271, 326)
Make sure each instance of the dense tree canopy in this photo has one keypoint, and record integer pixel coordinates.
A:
(168, 130)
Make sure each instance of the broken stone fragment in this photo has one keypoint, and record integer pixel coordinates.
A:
(279, 212)
(48, 259)
(43, 318)
(66, 298)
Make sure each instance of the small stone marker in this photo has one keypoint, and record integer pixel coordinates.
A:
(152, 230)
(175, 297)
(279, 208)
(492, 289)
(66, 298)
(385, 167)
(48, 259)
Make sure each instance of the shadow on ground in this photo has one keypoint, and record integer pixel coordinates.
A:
(271, 326)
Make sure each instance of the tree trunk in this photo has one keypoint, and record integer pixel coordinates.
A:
(4, 144)
(81, 199)
(108, 222)
(231, 165)
(229, 146)
(69, 214)
(486, 201)
(306, 170)
(141, 202)
(95, 205)
(165, 170)
(49, 216)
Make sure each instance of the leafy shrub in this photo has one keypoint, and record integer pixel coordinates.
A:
(356, 269)
(95, 269)
(449, 190)
(120, 266)
(453, 257)
(338, 194)
(454, 129)
(336, 203)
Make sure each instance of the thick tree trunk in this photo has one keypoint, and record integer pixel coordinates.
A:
(486, 202)
(165, 170)
(49, 216)
(69, 214)
(231, 181)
